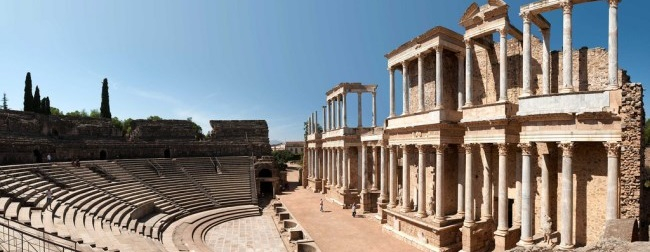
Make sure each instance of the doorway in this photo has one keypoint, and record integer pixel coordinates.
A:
(102, 155)
(266, 189)
(37, 156)
(167, 153)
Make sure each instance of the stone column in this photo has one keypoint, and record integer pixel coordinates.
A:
(516, 213)
(422, 189)
(317, 160)
(324, 118)
(344, 98)
(566, 231)
(406, 182)
(526, 237)
(469, 44)
(613, 150)
(335, 113)
(337, 167)
(374, 109)
(316, 130)
(420, 82)
(503, 64)
(545, 208)
(526, 65)
(502, 225)
(364, 168)
(439, 76)
(613, 44)
(469, 193)
(330, 171)
(440, 181)
(567, 49)
(546, 65)
(460, 208)
(384, 178)
(461, 82)
(486, 212)
(405, 89)
(391, 91)
(329, 116)
(375, 169)
(392, 196)
(359, 115)
(341, 108)
(324, 168)
(346, 170)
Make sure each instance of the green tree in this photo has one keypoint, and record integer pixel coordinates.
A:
(28, 101)
(154, 118)
(4, 101)
(77, 113)
(105, 108)
(126, 126)
(117, 123)
(282, 156)
(45, 106)
(55, 111)
(94, 113)
(36, 107)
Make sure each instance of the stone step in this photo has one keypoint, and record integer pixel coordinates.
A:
(12, 210)
(4, 204)
(37, 219)
(24, 215)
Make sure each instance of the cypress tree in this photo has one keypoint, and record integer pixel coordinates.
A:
(46, 106)
(4, 101)
(37, 101)
(28, 102)
(105, 109)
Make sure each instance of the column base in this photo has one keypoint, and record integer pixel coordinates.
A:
(566, 247)
(526, 242)
(505, 239)
(421, 215)
(566, 90)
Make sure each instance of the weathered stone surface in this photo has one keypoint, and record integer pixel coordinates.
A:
(621, 229)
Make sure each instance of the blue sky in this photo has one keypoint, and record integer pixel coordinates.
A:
(245, 59)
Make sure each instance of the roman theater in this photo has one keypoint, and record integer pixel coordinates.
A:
(500, 142)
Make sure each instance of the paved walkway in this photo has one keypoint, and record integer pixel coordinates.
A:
(335, 229)
(257, 234)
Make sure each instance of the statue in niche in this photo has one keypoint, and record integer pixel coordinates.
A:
(431, 205)
(399, 195)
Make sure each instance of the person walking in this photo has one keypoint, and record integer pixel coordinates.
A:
(321, 205)
(354, 210)
(49, 199)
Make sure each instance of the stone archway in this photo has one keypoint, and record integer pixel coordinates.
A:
(102, 155)
(265, 173)
(167, 153)
(37, 156)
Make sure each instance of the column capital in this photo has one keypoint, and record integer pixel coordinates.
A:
(485, 146)
(438, 48)
(390, 69)
(468, 42)
(613, 148)
(526, 148)
(440, 148)
(423, 148)
(567, 149)
(545, 31)
(468, 147)
(525, 16)
(567, 6)
(405, 65)
(503, 31)
(613, 3)
(503, 149)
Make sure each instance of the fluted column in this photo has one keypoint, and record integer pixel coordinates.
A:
(346, 172)
(469, 44)
(324, 167)
(420, 82)
(460, 206)
(613, 44)
(545, 208)
(330, 167)
(384, 176)
(567, 49)
(422, 193)
(405, 89)
(375, 169)
(613, 150)
(406, 182)
(503, 64)
(344, 98)
(526, 65)
(328, 125)
(486, 212)
(516, 213)
(461, 80)
(374, 109)
(566, 231)
(392, 196)
(359, 111)
(440, 181)
(546, 63)
(502, 225)
(439, 76)
(335, 112)
(391, 91)
(469, 193)
(526, 237)
(364, 168)
(318, 162)
(337, 167)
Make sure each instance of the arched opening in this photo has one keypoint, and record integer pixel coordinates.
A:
(265, 173)
(266, 189)
(167, 153)
(102, 155)
(55, 133)
(37, 156)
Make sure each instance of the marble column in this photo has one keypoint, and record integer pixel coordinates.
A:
(566, 231)
(384, 176)
(316, 130)
(406, 182)
(503, 64)
(375, 169)
(405, 89)
(329, 116)
(545, 208)
(324, 118)
(567, 49)
(422, 189)
(335, 112)
(516, 213)
(344, 99)
(420, 82)
(341, 111)
(364, 169)
(546, 63)
(502, 225)
(461, 80)
(613, 44)
(527, 55)
(526, 237)
(440, 181)
(486, 212)
(317, 160)
(469, 45)
(439, 76)
(359, 111)
(613, 150)
(324, 167)
(392, 180)
(346, 170)
(469, 193)
(337, 167)
(460, 206)
(374, 109)
(391, 91)
(330, 171)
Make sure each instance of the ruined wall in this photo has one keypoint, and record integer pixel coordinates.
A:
(148, 130)
(450, 79)
(253, 132)
(18, 123)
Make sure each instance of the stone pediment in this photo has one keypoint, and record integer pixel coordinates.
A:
(475, 15)
(470, 13)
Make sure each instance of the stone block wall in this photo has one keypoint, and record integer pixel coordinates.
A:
(148, 130)
(450, 79)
